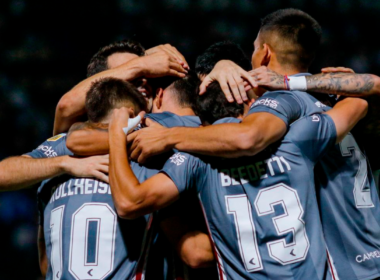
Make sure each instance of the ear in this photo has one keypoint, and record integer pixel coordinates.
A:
(267, 55)
(158, 98)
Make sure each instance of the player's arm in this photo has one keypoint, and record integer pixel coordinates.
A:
(85, 139)
(131, 198)
(43, 260)
(247, 138)
(72, 105)
(348, 84)
(23, 171)
(193, 246)
(346, 115)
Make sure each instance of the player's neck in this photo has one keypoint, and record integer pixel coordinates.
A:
(175, 109)
(286, 69)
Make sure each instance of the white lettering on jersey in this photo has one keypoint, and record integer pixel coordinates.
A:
(79, 187)
(48, 151)
(367, 256)
(266, 102)
(253, 172)
(319, 104)
(177, 159)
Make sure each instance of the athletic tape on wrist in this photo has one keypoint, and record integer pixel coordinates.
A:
(132, 123)
(298, 83)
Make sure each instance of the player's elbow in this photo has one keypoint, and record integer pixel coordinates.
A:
(248, 143)
(361, 106)
(74, 143)
(64, 107)
(128, 210)
(196, 259)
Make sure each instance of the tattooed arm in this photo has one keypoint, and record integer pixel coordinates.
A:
(360, 85)
(347, 84)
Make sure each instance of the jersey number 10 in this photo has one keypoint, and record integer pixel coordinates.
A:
(92, 241)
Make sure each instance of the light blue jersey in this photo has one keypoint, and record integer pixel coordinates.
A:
(84, 237)
(262, 211)
(346, 191)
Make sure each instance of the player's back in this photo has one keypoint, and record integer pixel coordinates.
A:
(262, 210)
(350, 211)
(84, 237)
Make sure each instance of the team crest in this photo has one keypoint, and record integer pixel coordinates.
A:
(55, 138)
(177, 159)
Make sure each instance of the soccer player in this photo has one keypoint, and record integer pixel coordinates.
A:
(348, 198)
(173, 106)
(83, 236)
(261, 210)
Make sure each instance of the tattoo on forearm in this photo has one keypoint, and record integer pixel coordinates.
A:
(341, 83)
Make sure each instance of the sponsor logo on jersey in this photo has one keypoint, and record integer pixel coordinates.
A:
(55, 138)
(320, 104)
(266, 102)
(315, 118)
(48, 151)
(367, 256)
(178, 159)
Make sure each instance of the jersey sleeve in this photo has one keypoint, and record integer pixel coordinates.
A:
(185, 171)
(52, 147)
(314, 135)
(279, 103)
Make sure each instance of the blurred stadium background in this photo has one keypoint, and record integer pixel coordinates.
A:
(46, 45)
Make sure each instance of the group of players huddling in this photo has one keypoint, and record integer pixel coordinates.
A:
(235, 169)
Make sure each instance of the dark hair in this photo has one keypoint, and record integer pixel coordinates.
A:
(98, 62)
(214, 105)
(299, 36)
(222, 50)
(184, 90)
(109, 93)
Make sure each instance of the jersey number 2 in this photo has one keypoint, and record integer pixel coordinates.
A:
(349, 148)
(92, 241)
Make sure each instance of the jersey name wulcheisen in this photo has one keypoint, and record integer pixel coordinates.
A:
(262, 211)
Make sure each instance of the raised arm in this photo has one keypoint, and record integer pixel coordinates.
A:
(231, 140)
(348, 84)
(346, 115)
(72, 104)
(131, 198)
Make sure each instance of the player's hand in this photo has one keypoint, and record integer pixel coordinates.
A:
(231, 79)
(337, 70)
(160, 64)
(267, 78)
(119, 120)
(95, 166)
(171, 51)
(148, 141)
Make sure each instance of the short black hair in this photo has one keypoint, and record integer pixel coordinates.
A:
(184, 90)
(299, 36)
(109, 93)
(219, 51)
(214, 105)
(98, 62)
